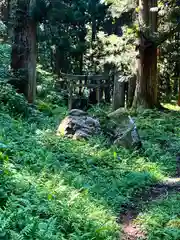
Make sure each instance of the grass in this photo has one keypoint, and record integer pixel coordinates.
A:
(56, 188)
(161, 218)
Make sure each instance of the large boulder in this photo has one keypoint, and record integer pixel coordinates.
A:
(124, 133)
(78, 125)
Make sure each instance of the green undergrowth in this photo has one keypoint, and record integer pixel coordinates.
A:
(57, 188)
(5, 54)
(161, 220)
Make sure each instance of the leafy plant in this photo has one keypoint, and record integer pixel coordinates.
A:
(13, 102)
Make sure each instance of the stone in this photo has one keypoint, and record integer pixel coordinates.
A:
(125, 133)
(77, 112)
(80, 134)
(78, 125)
(92, 121)
(65, 124)
(120, 112)
(130, 138)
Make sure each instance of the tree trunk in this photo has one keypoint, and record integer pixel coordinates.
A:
(32, 62)
(176, 77)
(119, 93)
(179, 94)
(175, 86)
(168, 86)
(131, 91)
(93, 20)
(146, 89)
(58, 59)
(23, 56)
(108, 89)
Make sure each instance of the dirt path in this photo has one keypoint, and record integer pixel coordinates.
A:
(132, 231)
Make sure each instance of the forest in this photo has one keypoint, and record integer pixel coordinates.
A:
(89, 120)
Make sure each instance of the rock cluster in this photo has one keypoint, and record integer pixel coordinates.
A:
(78, 125)
(119, 126)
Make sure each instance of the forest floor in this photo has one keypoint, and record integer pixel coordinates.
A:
(56, 188)
(160, 192)
(53, 188)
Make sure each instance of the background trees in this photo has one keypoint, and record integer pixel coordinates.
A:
(53, 187)
(133, 38)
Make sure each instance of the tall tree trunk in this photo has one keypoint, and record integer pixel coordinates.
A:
(131, 91)
(179, 94)
(107, 89)
(93, 20)
(119, 93)
(23, 56)
(168, 86)
(32, 62)
(146, 89)
(82, 40)
(175, 86)
(176, 77)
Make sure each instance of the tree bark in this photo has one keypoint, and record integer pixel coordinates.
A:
(131, 91)
(32, 62)
(93, 20)
(179, 94)
(168, 86)
(176, 79)
(23, 56)
(119, 93)
(147, 85)
(108, 89)
(175, 86)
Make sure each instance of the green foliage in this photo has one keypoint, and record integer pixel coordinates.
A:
(4, 177)
(119, 51)
(164, 134)
(55, 98)
(45, 107)
(3, 28)
(5, 50)
(39, 11)
(57, 188)
(42, 201)
(118, 7)
(12, 102)
(161, 219)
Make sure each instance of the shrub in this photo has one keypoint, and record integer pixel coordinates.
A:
(55, 98)
(12, 102)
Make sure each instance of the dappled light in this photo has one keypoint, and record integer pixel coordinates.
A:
(78, 182)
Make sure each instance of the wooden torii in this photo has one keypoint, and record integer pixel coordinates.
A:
(89, 81)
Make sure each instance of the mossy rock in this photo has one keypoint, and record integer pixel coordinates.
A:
(119, 115)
